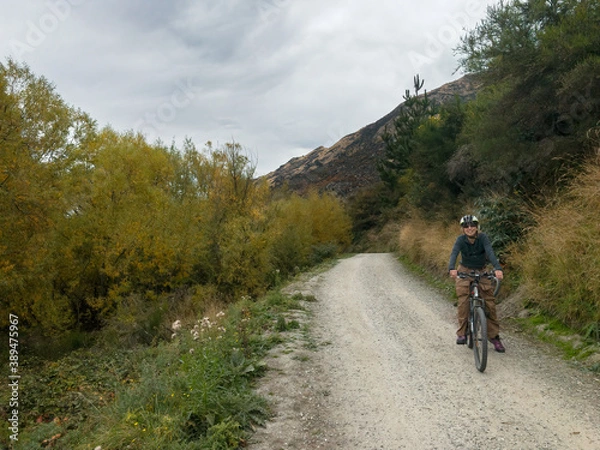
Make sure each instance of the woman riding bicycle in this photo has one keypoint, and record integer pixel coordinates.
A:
(476, 251)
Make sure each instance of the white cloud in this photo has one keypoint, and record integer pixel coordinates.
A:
(280, 77)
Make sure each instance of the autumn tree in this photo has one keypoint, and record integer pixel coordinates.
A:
(93, 219)
(38, 133)
(307, 229)
(236, 222)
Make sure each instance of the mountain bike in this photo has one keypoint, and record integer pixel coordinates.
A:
(477, 338)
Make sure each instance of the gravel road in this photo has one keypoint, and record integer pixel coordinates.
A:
(379, 369)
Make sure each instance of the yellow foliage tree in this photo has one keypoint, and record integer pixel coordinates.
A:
(38, 133)
(91, 217)
(124, 231)
(236, 221)
(306, 230)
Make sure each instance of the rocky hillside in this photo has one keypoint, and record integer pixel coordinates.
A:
(351, 163)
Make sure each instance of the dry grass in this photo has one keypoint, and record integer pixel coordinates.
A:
(427, 243)
(561, 260)
(384, 240)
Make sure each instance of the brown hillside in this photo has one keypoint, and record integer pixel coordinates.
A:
(351, 163)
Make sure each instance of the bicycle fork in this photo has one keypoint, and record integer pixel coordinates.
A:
(475, 302)
(474, 294)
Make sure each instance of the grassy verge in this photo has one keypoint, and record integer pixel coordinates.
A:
(193, 391)
(580, 350)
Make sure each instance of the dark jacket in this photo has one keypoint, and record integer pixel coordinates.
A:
(475, 255)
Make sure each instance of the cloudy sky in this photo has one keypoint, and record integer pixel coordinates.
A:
(279, 77)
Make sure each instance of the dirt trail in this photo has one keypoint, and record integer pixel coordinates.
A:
(381, 371)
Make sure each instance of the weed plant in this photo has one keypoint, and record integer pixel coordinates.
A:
(192, 391)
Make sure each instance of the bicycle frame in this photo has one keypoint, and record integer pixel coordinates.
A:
(477, 322)
(475, 300)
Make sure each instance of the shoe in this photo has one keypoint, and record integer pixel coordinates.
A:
(461, 340)
(498, 345)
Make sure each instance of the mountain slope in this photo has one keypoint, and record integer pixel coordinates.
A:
(351, 163)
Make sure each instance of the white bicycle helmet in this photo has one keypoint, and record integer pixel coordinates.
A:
(469, 219)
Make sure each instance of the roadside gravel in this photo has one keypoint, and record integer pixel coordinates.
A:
(378, 369)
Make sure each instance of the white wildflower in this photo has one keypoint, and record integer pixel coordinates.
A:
(176, 325)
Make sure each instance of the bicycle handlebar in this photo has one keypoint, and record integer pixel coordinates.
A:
(473, 275)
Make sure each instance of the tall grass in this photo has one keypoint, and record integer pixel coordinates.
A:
(560, 262)
(427, 243)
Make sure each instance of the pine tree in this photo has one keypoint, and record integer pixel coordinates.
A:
(400, 142)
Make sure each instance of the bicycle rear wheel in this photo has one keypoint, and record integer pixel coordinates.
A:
(480, 338)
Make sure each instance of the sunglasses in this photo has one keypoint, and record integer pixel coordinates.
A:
(469, 225)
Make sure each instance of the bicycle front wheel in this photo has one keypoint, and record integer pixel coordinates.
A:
(480, 338)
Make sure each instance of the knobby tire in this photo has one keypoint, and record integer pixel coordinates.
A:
(480, 338)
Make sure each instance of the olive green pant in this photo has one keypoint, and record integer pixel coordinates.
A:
(486, 290)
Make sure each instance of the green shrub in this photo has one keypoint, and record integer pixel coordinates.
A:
(504, 219)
